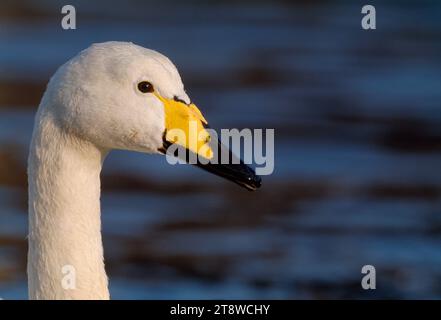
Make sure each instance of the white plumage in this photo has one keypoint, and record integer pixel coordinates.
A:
(92, 105)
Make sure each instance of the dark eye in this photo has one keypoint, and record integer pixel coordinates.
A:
(145, 87)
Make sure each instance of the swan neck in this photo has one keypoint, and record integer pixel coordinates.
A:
(65, 258)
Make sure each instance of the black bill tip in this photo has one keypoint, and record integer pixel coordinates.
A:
(235, 170)
(253, 183)
(240, 174)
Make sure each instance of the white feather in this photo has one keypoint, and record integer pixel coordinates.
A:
(91, 106)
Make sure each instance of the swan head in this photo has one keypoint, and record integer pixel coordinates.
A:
(118, 95)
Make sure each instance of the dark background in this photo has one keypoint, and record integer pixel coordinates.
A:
(357, 118)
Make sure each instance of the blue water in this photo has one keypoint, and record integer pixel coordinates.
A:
(357, 118)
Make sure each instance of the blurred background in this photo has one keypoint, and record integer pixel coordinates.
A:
(357, 119)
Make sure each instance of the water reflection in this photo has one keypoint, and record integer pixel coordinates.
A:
(358, 146)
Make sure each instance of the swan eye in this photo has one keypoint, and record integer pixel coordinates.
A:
(145, 87)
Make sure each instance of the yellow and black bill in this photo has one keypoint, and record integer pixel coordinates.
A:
(186, 130)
